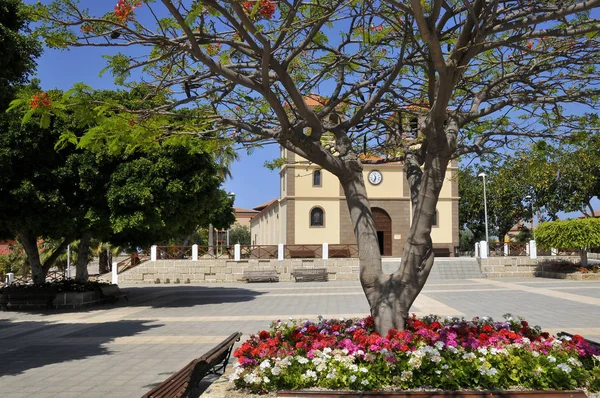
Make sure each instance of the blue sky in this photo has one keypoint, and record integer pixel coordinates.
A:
(252, 183)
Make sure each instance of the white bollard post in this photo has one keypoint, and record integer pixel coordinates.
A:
(237, 252)
(280, 252)
(532, 249)
(194, 252)
(477, 251)
(153, 253)
(10, 278)
(325, 251)
(115, 275)
(527, 249)
(554, 252)
(506, 249)
(483, 248)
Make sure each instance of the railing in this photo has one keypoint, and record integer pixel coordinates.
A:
(213, 252)
(303, 251)
(133, 260)
(51, 276)
(260, 252)
(343, 251)
(518, 248)
(174, 252)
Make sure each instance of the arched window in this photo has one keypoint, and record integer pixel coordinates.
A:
(317, 217)
(317, 178)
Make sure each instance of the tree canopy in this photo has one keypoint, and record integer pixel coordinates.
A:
(475, 76)
(19, 48)
(580, 234)
(131, 199)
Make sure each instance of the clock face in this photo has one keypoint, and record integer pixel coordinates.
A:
(375, 177)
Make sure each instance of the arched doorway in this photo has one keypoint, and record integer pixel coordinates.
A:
(383, 225)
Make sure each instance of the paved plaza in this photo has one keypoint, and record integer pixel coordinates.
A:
(124, 349)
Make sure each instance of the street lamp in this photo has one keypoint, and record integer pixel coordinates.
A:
(231, 195)
(530, 199)
(487, 239)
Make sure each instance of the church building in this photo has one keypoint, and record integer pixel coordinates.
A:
(312, 209)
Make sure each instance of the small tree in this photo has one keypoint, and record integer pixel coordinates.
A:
(240, 234)
(567, 234)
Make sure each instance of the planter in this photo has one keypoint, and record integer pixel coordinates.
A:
(434, 394)
(30, 298)
(78, 299)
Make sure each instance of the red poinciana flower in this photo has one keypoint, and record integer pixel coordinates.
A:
(124, 9)
(266, 8)
(40, 99)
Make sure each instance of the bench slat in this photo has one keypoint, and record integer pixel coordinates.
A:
(185, 382)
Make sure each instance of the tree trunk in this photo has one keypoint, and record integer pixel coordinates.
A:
(584, 259)
(391, 296)
(81, 274)
(103, 261)
(29, 242)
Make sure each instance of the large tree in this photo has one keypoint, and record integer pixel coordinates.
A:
(19, 48)
(131, 198)
(473, 75)
(505, 194)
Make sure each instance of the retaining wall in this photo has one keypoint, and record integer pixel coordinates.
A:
(523, 267)
(218, 271)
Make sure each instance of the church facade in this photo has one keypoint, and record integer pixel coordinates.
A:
(312, 209)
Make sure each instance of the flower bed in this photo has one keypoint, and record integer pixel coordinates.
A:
(433, 353)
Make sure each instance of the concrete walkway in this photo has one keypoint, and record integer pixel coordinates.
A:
(125, 349)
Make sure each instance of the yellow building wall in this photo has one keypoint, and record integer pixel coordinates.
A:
(446, 191)
(391, 185)
(268, 228)
(304, 183)
(329, 233)
(443, 232)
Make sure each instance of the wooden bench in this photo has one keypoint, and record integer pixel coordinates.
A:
(185, 383)
(113, 291)
(268, 275)
(302, 253)
(27, 298)
(441, 252)
(310, 274)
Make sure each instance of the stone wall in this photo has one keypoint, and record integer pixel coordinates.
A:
(220, 271)
(510, 267)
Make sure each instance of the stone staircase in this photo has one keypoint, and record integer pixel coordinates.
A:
(445, 268)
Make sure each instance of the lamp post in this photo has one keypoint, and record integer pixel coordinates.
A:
(530, 199)
(485, 207)
(231, 195)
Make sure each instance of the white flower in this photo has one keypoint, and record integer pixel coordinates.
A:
(310, 374)
(415, 362)
(538, 371)
(566, 338)
(352, 378)
(321, 367)
(445, 366)
(439, 345)
(469, 356)
(265, 364)
(551, 359)
(251, 378)
(364, 382)
(331, 374)
(564, 367)
(363, 370)
(438, 372)
(353, 368)
(535, 354)
(326, 350)
(276, 370)
(302, 360)
(266, 379)
(405, 375)
(482, 350)
(492, 371)
(285, 362)
(574, 361)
